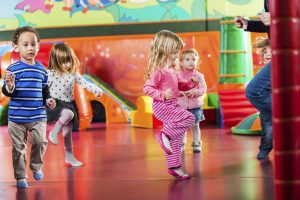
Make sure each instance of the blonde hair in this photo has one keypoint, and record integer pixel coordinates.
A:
(164, 44)
(61, 54)
(262, 44)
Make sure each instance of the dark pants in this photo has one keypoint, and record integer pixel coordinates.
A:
(259, 93)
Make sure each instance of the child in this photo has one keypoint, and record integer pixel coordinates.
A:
(191, 95)
(263, 44)
(162, 85)
(63, 74)
(26, 84)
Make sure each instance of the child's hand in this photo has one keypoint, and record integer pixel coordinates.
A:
(168, 94)
(181, 93)
(190, 94)
(51, 103)
(9, 80)
(195, 79)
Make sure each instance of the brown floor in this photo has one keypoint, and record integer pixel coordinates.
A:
(122, 162)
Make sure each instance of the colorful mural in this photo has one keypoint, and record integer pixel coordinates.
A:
(49, 13)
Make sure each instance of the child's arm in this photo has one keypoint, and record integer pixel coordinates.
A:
(151, 87)
(87, 85)
(8, 88)
(48, 100)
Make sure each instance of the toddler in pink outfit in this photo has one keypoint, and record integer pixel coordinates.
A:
(192, 87)
(162, 85)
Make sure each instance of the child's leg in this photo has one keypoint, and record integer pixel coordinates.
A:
(197, 144)
(18, 136)
(39, 143)
(176, 122)
(184, 141)
(66, 116)
(68, 143)
(196, 132)
(174, 160)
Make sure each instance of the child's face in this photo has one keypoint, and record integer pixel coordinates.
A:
(67, 66)
(266, 54)
(27, 47)
(189, 62)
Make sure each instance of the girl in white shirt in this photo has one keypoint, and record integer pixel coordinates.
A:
(62, 76)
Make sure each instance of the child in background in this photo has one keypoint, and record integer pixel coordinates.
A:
(264, 45)
(192, 87)
(26, 84)
(63, 74)
(162, 85)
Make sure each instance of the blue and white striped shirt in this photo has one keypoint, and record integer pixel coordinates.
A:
(27, 103)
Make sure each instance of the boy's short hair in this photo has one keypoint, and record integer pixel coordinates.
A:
(23, 29)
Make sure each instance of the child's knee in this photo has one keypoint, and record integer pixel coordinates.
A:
(39, 141)
(67, 113)
(191, 119)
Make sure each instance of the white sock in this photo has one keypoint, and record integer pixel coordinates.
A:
(71, 159)
(53, 135)
(196, 132)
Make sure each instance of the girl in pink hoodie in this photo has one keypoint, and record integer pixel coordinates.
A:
(192, 87)
(162, 85)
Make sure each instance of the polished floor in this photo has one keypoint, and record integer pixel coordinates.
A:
(122, 162)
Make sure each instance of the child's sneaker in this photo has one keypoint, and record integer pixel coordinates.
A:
(179, 174)
(73, 162)
(22, 183)
(38, 175)
(197, 147)
(164, 143)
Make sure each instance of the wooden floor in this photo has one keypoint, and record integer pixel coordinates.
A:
(122, 162)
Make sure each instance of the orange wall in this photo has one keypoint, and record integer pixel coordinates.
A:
(120, 60)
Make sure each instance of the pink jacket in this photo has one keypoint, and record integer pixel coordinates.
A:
(199, 89)
(159, 82)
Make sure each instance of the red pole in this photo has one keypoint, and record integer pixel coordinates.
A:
(285, 41)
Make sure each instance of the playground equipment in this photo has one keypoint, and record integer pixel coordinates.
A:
(117, 109)
(248, 126)
(235, 71)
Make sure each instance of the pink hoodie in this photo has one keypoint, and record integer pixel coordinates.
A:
(199, 89)
(159, 82)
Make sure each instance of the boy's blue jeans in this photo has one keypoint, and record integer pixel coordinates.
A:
(259, 93)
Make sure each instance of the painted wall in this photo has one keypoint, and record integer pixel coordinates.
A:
(57, 13)
(120, 61)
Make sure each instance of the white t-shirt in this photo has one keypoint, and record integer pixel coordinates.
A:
(61, 86)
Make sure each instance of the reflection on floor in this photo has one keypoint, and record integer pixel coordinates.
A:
(122, 162)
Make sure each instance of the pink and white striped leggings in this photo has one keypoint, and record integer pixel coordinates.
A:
(176, 121)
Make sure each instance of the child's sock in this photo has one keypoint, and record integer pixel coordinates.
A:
(22, 183)
(196, 132)
(66, 116)
(53, 135)
(71, 159)
(38, 175)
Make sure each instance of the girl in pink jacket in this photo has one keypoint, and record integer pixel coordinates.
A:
(162, 85)
(192, 87)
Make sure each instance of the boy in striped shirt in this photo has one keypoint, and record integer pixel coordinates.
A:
(26, 84)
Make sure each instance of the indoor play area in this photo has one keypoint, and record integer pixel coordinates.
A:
(116, 136)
